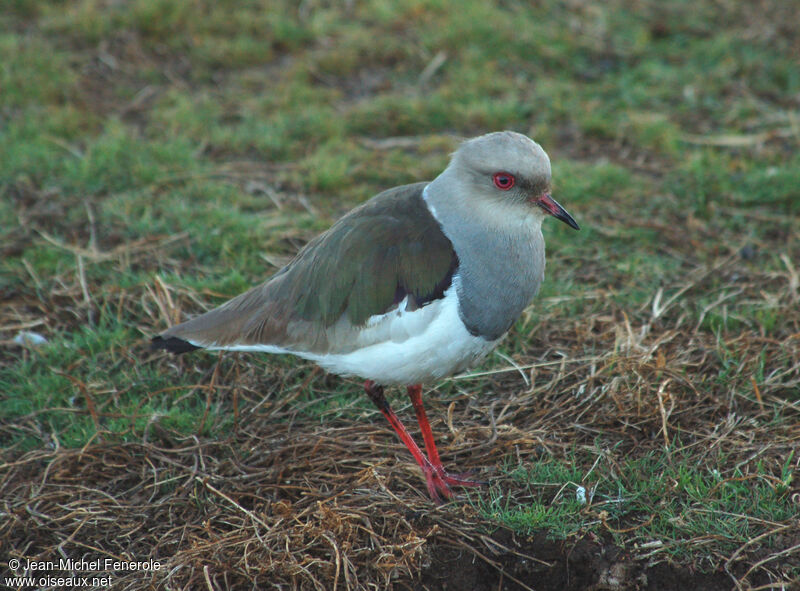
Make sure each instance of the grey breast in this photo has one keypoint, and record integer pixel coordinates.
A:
(499, 273)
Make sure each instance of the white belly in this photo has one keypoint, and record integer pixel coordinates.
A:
(401, 346)
(424, 345)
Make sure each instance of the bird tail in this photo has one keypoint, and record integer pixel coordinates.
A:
(172, 344)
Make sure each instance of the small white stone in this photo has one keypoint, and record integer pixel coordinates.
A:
(29, 339)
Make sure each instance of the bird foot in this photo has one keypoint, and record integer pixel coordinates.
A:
(439, 482)
(462, 479)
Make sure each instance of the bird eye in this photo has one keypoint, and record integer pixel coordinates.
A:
(503, 180)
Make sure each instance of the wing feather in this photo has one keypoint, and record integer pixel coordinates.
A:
(387, 249)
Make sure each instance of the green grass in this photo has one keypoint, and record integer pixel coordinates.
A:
(69, 376)
(661, 497)
(198, 143)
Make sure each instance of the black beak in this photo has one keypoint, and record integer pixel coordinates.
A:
(552, 207)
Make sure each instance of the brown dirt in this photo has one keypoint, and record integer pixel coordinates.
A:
(582, 565)
(287, 502)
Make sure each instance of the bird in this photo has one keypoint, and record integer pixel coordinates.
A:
(416, 284)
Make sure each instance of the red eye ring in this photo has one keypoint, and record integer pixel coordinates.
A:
(503, 180)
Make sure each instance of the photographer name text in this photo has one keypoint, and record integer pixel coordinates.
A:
(96, 565)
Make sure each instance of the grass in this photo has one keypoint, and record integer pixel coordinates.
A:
(159, 157)
(660, 499)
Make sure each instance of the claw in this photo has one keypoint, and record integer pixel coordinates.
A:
(436, 485)
(462, 479)
(439, 482)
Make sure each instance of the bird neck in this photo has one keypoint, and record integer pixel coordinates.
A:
(501, 256)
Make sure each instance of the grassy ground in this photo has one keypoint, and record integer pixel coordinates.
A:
(158, 157)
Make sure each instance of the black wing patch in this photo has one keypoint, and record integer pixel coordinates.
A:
(172, 344)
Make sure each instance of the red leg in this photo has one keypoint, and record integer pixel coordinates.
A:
(415, 393)
(433, 477)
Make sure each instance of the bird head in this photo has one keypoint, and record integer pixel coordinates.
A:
(510, 170)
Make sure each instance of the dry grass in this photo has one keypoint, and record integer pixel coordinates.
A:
(290, 502)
